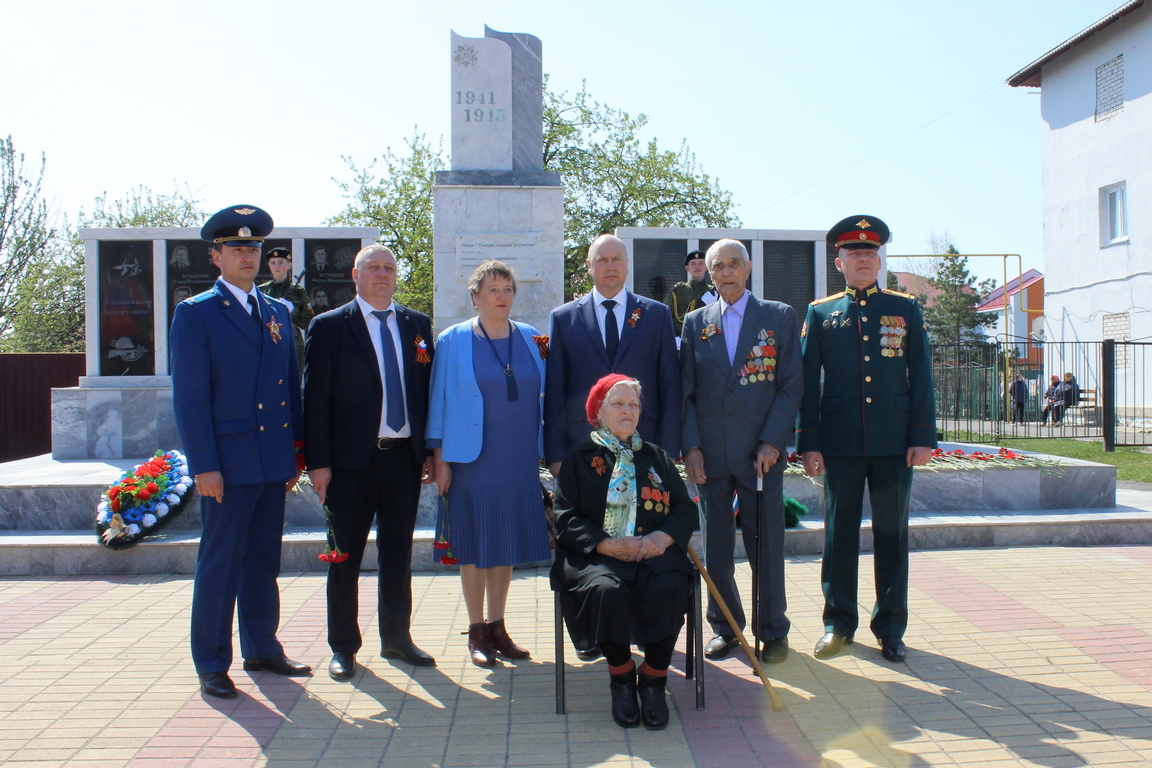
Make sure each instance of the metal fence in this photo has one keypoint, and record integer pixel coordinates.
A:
(1113, 380)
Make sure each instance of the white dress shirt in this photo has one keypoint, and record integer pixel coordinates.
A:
(732, 317)
(243, 297)
(621, 307)
(373, 324)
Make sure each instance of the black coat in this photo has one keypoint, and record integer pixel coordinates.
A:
(343, 393)
(580, 505)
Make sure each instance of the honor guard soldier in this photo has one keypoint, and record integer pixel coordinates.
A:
(867, 421)
(692, 294)
(236, 391)
(291, 295)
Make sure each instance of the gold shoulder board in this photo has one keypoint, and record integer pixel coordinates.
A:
(833, 297)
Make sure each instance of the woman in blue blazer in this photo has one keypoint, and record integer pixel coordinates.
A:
(485, 424)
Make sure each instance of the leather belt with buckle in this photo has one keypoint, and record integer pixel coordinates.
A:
(388, 443)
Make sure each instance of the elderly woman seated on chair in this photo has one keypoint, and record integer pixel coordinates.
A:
(623, 521)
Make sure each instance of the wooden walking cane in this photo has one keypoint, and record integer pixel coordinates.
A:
(777, 702)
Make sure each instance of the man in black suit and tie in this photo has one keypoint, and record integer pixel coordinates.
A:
(366, 403)
(743, 381)
(610, 330)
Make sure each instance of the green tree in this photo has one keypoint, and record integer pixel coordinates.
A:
(952, 318)
(26, 229)
(49, 308)
(398, 199)
(614, 179)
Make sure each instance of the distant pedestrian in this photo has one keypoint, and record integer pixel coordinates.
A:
(1068, 395)
(1050, 399)
(1018, 394)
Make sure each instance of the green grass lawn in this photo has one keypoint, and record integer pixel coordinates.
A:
(1130, 463)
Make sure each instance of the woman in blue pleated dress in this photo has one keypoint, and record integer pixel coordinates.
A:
(485, 420)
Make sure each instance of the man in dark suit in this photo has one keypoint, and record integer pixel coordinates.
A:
(610, 330)
(740, 360)
(870, 421)
(236, 391)
(365, 408)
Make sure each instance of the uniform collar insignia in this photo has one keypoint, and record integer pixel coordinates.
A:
(849, 291)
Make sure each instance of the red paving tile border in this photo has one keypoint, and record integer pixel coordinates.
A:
(29, 611)
(986, 607)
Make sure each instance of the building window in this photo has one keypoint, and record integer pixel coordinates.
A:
(1114, 214)
(1118, 327)
(1110, 88)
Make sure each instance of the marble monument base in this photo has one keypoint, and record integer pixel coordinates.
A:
(113, 417)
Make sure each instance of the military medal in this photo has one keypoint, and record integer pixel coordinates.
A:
(274, 330)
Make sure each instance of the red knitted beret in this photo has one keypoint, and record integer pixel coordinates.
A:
(599, 391)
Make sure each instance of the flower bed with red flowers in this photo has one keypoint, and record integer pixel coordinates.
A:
(143, 501)
(960, 459)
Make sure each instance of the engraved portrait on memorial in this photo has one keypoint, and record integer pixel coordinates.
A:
(320, 299)
(320, 259)
(178, 259)
(126, 326)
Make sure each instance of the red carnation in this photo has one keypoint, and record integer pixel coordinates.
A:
(143, 495)
(115, 505)
(114, 491)
(449, 560)
(152, 488)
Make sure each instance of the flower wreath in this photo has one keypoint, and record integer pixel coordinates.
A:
(143, 501)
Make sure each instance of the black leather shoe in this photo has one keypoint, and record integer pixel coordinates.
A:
(830, 645)
(653, 703)
(893, 648)
(588, 654)
(774, 651)
(625, 710)
(719, 647)
(281, 665)
(342, 666)
(407, 652)
(218, 684)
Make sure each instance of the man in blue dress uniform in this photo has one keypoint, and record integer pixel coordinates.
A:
(236, 389)
(870, 421)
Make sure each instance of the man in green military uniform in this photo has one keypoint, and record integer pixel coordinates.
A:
(290, 295)
(870, 421)
(693, 294)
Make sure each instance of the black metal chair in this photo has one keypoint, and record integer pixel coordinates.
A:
(693, 659)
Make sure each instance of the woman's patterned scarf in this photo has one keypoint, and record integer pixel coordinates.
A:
(620, 506)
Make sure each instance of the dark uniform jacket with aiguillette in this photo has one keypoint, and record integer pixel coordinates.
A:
(876, 398)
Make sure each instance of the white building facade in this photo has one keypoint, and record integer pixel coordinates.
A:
(1096, 157)
(1096, 154)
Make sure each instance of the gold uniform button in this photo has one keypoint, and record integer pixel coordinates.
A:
(639, 530)
(261, 429)
(865, 338)
(283, 402)
(863, 319)
(260, 406)
(867, 399)
(867, 378)
(281, 381)
(285, 425)
(867, 359)
(863, 303)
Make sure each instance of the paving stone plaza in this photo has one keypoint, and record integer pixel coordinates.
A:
(1017, 657)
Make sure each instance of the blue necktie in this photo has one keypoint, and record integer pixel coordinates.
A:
(394, 395)
(252, 305)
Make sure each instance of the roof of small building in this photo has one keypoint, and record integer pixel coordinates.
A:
(995, 298)
(1030, 75)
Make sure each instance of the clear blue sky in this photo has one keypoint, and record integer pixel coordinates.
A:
(802, 110)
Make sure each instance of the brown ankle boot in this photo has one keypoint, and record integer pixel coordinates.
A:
(503, 644)
(480, 645)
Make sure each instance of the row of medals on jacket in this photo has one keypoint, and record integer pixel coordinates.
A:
(761, 363)
(893, 329)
